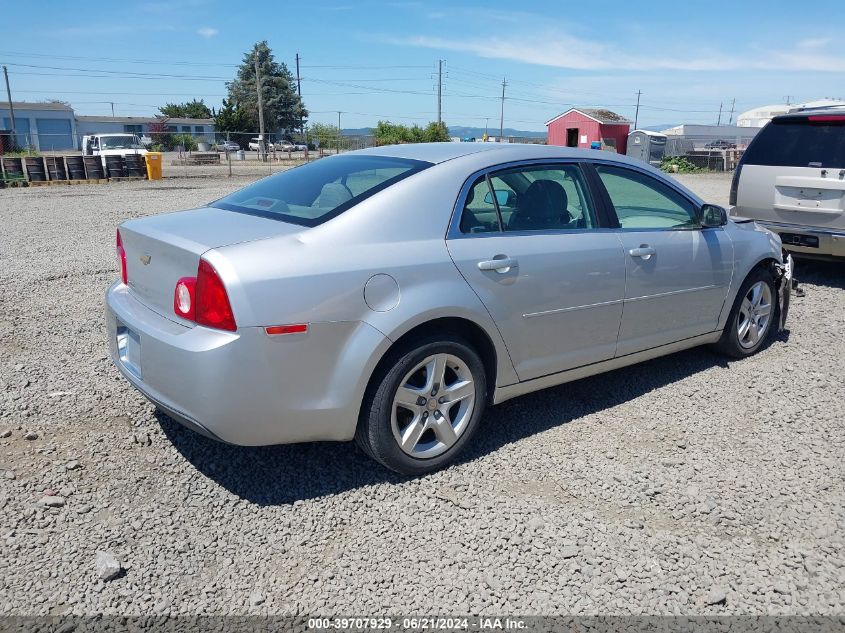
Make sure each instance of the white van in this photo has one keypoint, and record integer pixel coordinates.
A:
(791, 180)
(111, 145)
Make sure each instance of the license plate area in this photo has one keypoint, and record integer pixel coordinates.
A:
(809, 199)
(794, 239)
(129, 349)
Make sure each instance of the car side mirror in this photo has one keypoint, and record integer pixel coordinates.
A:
(712, 215)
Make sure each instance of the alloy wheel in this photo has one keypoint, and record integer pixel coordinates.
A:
(755, 314)
(433, 405)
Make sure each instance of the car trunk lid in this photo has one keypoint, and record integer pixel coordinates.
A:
(162, 249)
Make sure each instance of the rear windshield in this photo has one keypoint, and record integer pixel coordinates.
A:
(799, 142)
(316, 192)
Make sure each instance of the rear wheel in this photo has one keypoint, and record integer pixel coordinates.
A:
(424, 407)
(752, 316)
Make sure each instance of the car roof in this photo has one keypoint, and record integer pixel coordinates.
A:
(497, 152)
(799, 114)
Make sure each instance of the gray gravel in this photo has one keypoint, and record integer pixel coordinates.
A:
(685, 485)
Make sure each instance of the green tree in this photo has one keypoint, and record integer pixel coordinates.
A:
(189, 110)
(436, 133)
(283, 109)
(327, 135)
(231, 118)
(387, 133)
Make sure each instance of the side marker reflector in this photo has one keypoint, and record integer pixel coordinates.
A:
(297, 328)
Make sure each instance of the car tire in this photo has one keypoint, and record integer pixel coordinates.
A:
(428, 397)
(753, 316)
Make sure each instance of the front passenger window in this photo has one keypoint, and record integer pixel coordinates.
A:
(643, 202)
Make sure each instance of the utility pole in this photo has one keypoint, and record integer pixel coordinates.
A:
(502, 118)
(261, 145)
(11, 106)
(439, 90)
(112, 108)
(733, 103)
(719, 121)
(486, 125)
(788, 99)
(299, 93)
(637, 113)
(338, 131)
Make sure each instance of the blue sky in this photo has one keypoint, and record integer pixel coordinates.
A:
(377, 60)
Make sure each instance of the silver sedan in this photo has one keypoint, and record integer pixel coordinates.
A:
(390, 294)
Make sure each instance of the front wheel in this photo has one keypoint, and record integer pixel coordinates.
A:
(423, 408)
(752, 316)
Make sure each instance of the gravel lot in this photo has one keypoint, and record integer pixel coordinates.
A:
(684, 485)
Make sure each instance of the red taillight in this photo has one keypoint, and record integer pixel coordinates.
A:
(827, 117)
(211, 304)
(121, 259)
(184, 298)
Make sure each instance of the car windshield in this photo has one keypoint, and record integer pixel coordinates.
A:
(120, 142)
(316, 192)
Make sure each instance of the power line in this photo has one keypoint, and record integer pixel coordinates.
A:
(115, 60)
(128, 73)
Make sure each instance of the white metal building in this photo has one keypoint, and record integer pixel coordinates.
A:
(758, 117)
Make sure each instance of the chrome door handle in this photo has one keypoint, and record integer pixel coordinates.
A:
(645, 251)
(499, 265)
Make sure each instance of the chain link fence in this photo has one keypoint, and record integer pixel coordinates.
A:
(249, 154)
(706, 152)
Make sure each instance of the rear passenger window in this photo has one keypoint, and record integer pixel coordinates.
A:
(798, 143)
(479, 214)
(529, 198)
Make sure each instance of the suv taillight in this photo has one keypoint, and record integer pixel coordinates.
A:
(204, 300)
(734, 185)
(121, 259)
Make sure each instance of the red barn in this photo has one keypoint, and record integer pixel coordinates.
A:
(580, 127)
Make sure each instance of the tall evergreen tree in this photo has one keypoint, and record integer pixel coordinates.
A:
(283, 109)
(230, 118)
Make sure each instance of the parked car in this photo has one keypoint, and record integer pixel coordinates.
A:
(228, 146)
(254, 144)
(720, 144)
(791, 179)
(353, 297)
(299, 147)
(284, 146)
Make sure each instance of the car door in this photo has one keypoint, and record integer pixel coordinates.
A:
(530, 243)
(677, 273)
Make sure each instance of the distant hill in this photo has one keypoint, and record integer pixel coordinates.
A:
(478, 132)
(458, 130)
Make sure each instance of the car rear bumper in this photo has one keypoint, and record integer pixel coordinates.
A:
(809, 241)
(245, 387)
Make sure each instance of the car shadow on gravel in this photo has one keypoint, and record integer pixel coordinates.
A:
(283, 474)
(820, 273)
